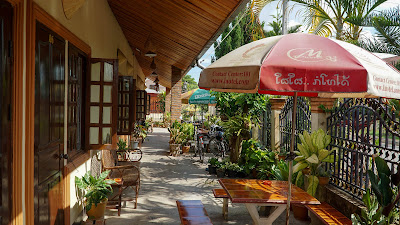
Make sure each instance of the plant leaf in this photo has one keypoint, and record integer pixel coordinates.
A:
(313, 159)
(312, 185)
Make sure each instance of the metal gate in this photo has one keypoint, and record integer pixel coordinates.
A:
(303, 121)
(265, 127)
(361, 128)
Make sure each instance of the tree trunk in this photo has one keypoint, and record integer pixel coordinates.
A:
(235, 148)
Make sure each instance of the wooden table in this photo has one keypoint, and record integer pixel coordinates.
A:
(118, 184)
(254, 193)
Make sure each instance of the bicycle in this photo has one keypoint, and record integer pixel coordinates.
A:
(218, 146)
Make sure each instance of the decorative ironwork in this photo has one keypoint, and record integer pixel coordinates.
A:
(359, 129)
(265, 127)
(303, 121)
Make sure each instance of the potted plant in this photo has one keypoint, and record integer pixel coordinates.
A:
(122, 146)
(135, 137)
(323, 175)
(232, 169)
(221, 170)
(213, 164)
(175, 141)
(312, 154)
(188, 131)
(95, 189)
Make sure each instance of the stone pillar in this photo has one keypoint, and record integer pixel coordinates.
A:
(176, 91)
(276, 107)
(318, 116)
(168, 100)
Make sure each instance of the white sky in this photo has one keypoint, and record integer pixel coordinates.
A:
(294, 18)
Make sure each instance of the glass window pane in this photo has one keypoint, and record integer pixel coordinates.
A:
(94, 114)
(95, 93)
(94, 135)
(95, 72)
(107, 94)
(106, 135)
(108, 72)
(107, 115)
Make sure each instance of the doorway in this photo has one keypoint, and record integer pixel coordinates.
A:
(6, 16)
(49, 126)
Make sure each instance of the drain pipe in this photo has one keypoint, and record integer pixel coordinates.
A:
(199, 65)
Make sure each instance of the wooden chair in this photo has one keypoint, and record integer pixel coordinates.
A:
(129, 173)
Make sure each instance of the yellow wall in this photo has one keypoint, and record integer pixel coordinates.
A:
(95, 24)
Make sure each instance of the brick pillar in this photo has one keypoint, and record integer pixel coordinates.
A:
(167, 100)
(318, 116)
(276, 107)
(176, 91)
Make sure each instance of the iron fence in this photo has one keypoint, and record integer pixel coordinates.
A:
(360, 128)
(303, 121)
(265, 127)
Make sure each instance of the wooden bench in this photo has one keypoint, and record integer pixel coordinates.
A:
(192, 212)
(328, 215)
(221, 193)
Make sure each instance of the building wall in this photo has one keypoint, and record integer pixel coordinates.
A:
(95, 24)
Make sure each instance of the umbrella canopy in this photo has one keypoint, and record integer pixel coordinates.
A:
(302, 65)
(201, 96)
(185, 96)
(308, 64)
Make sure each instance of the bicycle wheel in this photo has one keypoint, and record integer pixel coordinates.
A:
(213, 146)
(224, 148)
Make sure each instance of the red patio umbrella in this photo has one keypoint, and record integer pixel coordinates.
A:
(302, 65)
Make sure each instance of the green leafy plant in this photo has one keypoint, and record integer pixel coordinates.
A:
(380, 207)
(122, 145)
(188, 130)
(96, 189)
(233, 167)
(213, 161)
(177, 137)
(237, 128)
(313, 154)
(254, 157)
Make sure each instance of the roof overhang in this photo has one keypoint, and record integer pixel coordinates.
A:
(179, 31)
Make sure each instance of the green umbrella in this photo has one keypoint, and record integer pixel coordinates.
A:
(201, 96)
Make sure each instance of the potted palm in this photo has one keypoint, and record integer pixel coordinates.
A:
(175, 141)
(95, 189)
(122, 147)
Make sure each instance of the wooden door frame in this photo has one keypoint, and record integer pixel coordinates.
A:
(36, 14)
(17, 216)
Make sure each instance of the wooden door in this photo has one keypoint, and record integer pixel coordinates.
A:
(5, 110)
(49, 126)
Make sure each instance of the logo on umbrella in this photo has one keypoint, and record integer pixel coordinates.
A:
(309, 55)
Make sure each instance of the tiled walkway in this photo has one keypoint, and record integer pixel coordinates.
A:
(166, 179)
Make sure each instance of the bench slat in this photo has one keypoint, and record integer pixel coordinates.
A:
(192, 212)
(329, 215)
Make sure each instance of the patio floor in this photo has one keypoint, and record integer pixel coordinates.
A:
(165, 179)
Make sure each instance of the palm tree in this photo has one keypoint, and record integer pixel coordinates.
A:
(276, 26)
(387, 24)
(255, 8)
(330, 17)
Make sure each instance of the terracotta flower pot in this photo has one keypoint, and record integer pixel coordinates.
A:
(300, 212)
(185, 149)
(97, 212)
(174, 149)
(323, 181)
(281, 157)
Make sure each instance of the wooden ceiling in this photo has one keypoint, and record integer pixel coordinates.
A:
(177, 30)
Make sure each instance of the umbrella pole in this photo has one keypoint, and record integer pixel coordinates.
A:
(294, 112)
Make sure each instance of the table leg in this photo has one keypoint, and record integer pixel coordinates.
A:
(225, 208)
(119, 200)
(253, 211)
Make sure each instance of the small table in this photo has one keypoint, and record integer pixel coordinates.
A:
(255, 193)
(119, 184)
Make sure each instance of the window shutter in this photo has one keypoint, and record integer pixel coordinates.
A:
(102, 104)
